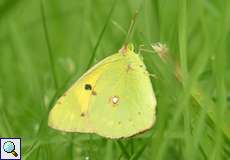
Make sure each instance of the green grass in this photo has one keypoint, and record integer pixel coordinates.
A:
(46, 45)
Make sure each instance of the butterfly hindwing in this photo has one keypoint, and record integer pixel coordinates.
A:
(125, 103)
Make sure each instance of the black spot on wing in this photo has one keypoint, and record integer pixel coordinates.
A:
(88, 87)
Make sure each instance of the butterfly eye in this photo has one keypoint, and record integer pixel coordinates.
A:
(88, 87)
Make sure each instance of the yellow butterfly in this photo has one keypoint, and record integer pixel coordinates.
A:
(113, 99)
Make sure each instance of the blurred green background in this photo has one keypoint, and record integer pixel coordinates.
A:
(45, 44)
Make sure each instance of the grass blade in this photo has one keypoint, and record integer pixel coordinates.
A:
(123, 149)
(101, 34)
(50, 52)
(138, 153)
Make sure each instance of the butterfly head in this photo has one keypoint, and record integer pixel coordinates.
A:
(127, 48)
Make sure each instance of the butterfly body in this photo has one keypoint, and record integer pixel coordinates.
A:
(113, 99)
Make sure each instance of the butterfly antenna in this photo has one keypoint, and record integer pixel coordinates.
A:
(131, 27)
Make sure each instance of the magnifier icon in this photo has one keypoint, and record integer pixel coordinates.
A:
(9, 147)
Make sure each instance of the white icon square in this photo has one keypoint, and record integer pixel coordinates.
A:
(10, 149)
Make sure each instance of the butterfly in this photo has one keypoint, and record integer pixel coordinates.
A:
(114, 99)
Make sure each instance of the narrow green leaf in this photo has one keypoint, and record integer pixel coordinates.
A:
(123, 149)
(50, 52)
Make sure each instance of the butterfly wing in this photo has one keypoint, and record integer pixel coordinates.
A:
(125, 102)
(70, 113)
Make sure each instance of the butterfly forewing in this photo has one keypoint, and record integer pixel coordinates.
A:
(70, 113)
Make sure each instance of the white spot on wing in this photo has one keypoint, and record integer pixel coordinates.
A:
(115, 99)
